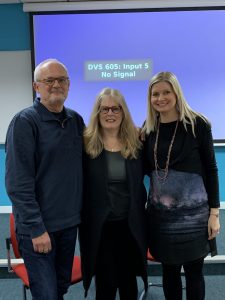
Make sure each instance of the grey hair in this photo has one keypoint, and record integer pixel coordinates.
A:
(46, 62)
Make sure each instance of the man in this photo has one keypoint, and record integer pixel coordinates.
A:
(44, 181)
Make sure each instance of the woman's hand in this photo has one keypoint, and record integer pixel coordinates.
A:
(213, 225)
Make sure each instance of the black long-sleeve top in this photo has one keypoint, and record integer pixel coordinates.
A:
(194, 154)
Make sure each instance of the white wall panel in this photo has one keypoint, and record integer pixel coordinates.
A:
(15, 86)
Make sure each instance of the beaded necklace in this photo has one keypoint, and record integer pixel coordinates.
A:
(157, 167)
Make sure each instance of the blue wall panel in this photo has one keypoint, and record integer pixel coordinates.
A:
(4, 201)
(220, 157)
(14, 28)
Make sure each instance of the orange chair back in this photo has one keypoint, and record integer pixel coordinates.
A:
(13, 236)
(149, 256)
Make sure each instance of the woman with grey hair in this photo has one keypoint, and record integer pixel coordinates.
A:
(113, 235)
(183, 202)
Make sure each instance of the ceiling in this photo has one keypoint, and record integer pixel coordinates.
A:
(42, 1)
(46, 1)
(197, 2)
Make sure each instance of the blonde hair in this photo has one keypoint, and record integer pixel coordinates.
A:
(186, 114)
(128, 133)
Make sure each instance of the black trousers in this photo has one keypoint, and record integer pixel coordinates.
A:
(116, 263)
(195, 283)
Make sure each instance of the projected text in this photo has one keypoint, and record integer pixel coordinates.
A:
(118, 70)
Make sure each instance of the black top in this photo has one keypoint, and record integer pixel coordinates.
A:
(117, 186)
(194, 154)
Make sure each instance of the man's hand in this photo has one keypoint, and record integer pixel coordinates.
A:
(42, 243)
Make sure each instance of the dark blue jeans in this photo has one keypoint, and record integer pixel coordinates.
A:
(49, 274)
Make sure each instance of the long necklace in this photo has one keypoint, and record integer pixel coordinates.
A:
(157, 168)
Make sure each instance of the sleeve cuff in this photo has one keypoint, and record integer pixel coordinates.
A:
(36, 230)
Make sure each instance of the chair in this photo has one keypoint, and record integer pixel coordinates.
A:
(19, 268)
(150, 258)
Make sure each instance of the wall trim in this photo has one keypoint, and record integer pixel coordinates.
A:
(5, 209)
(8, 209)
(218, 259)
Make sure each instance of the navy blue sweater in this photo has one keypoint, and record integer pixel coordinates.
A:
(44, 169)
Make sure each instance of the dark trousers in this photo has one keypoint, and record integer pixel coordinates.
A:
(195, 283)
(116, 261)
(49, 274)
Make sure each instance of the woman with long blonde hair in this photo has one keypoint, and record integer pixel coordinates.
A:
(183, 203)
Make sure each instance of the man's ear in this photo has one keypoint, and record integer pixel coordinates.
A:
(35, 86)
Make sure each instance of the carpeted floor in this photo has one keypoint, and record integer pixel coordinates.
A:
(11, 289)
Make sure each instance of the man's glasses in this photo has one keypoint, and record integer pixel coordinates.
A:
(114, 109)
(51, 81)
